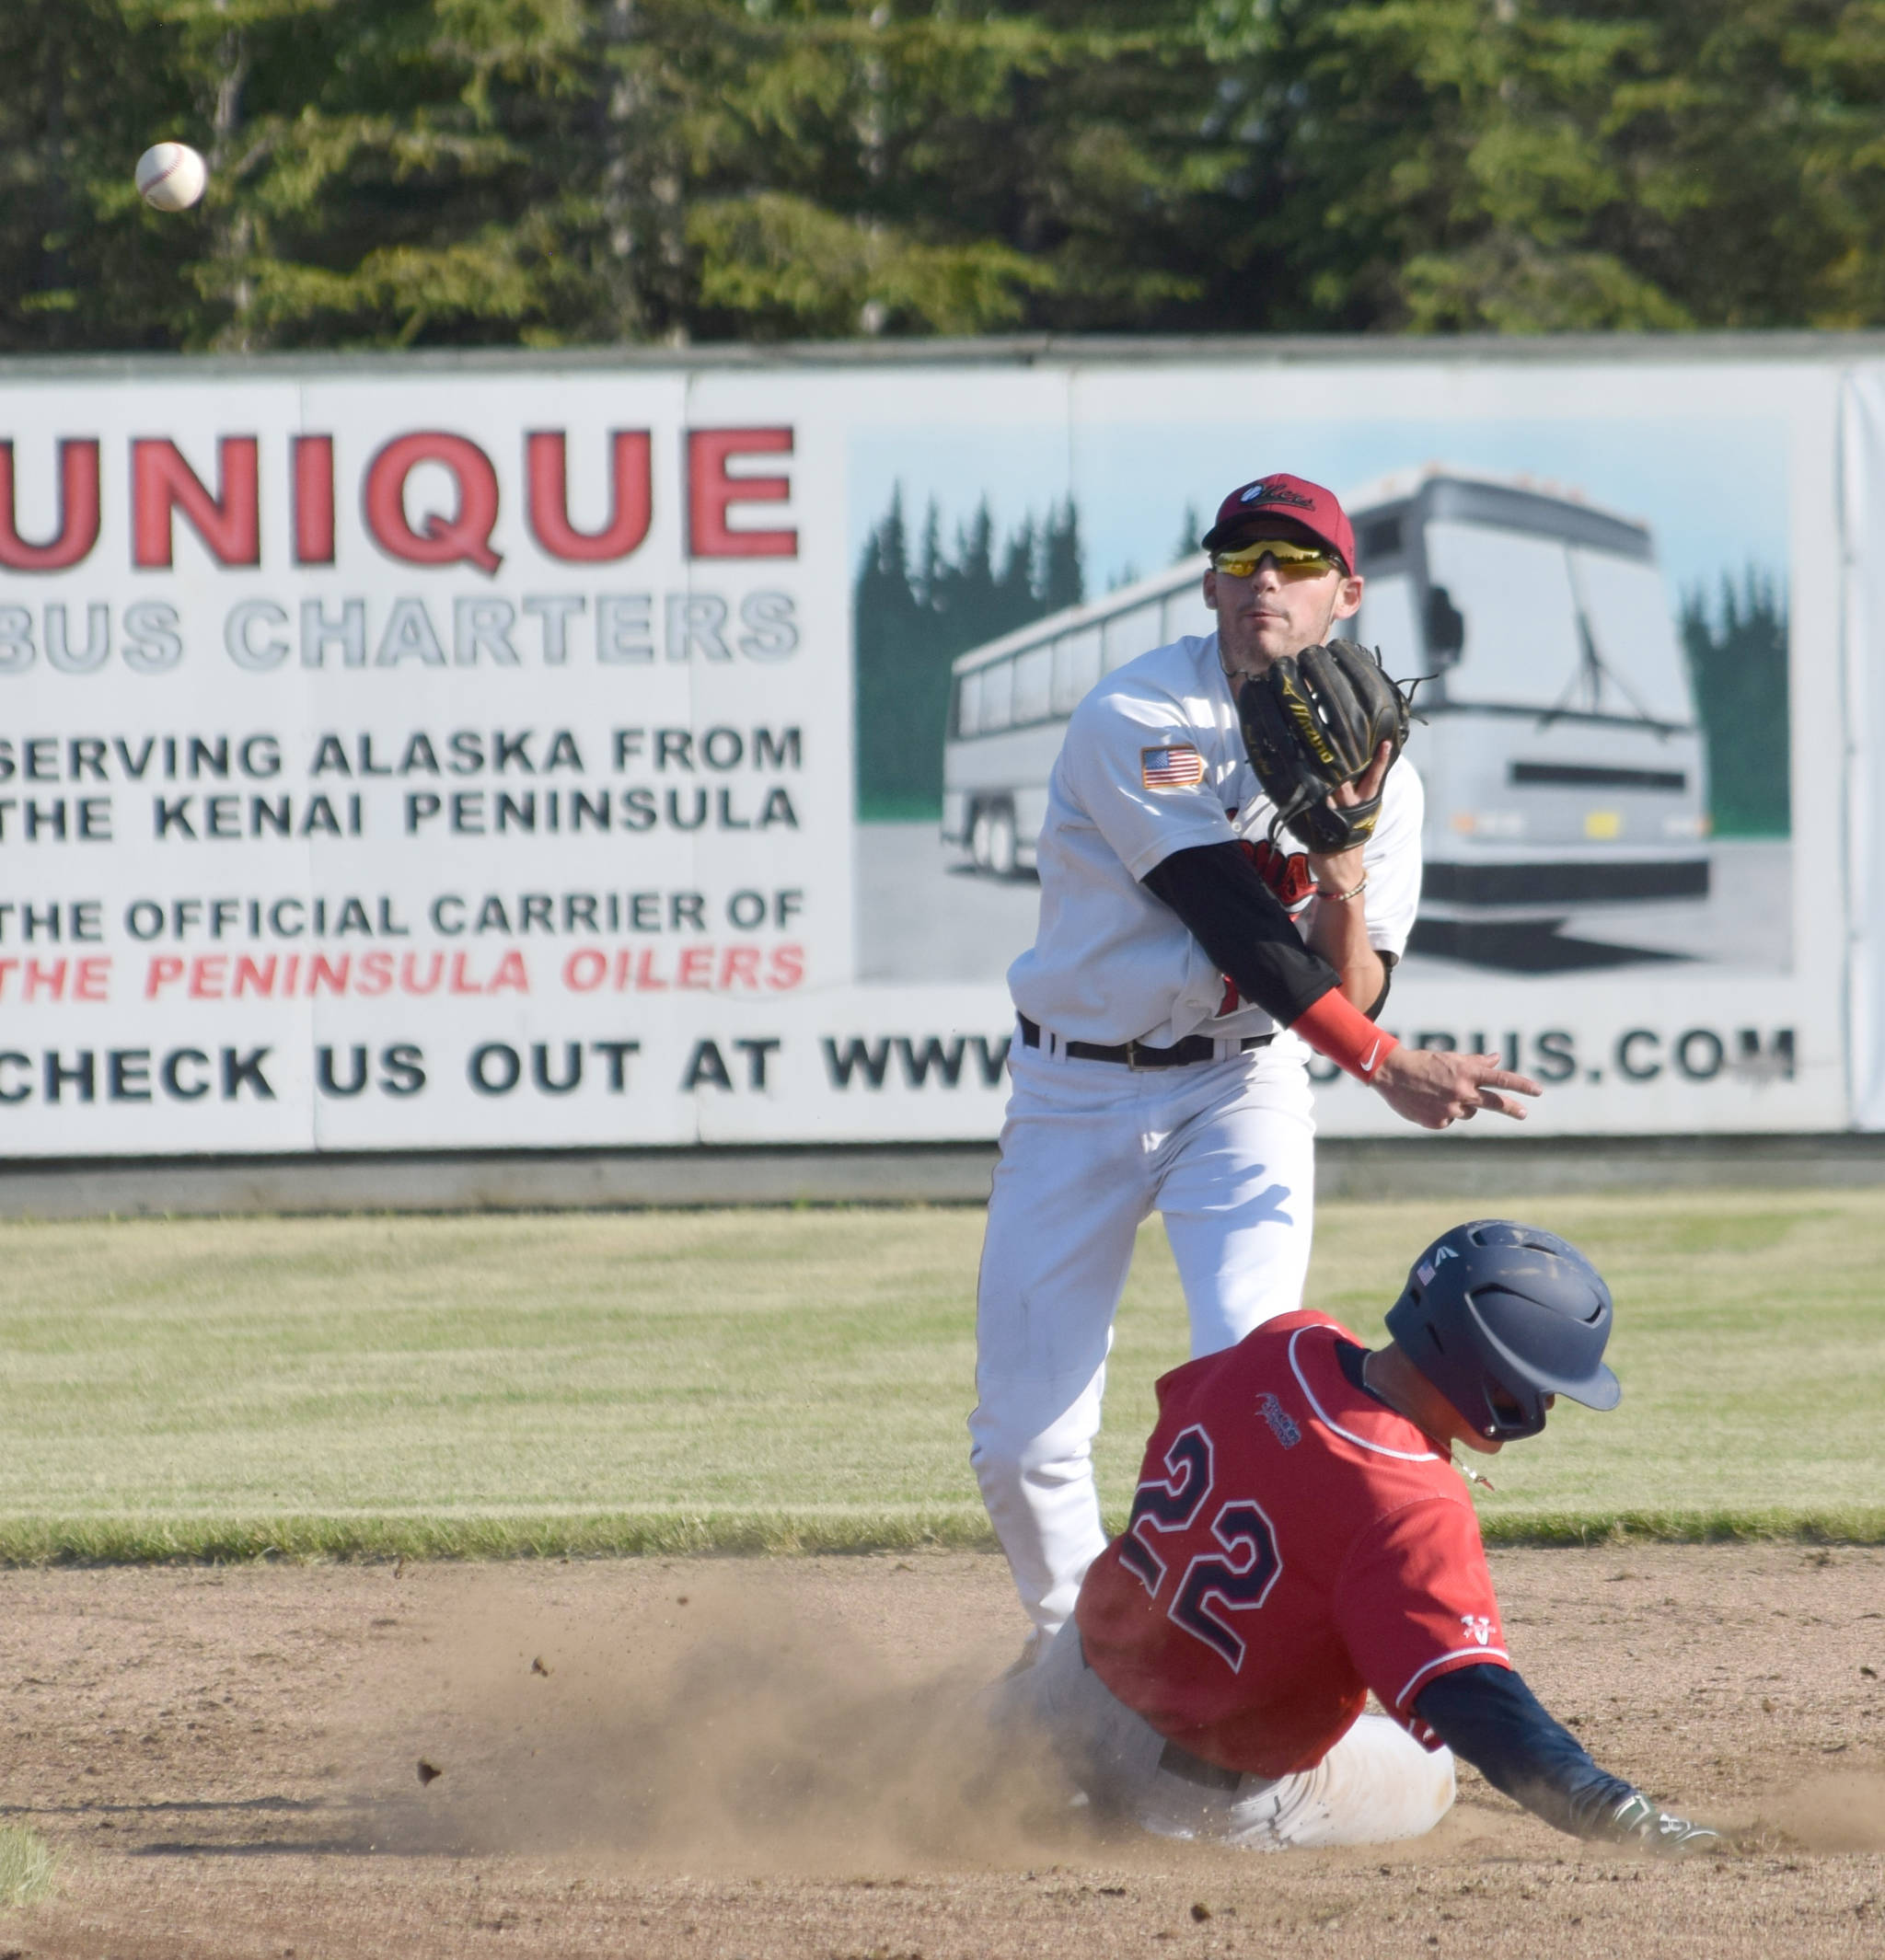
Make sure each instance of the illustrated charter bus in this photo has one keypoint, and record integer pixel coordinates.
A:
(1560, 754)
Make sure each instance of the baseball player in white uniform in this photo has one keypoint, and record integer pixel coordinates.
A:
(1182, 969)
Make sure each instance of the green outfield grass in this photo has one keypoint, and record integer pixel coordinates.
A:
(800, 1379)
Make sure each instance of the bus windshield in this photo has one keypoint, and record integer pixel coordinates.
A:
(1545, 623)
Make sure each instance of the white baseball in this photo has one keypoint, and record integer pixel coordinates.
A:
(172, 175)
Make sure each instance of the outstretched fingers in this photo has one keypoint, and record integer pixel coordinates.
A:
(1436, 1086)
(1491, 1080)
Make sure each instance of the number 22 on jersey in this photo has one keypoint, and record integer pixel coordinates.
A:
(1217, 1585)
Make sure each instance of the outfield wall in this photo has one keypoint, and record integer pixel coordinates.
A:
(501, 753)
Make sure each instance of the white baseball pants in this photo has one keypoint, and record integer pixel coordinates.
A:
(1225, 1150)
(1376, 1786)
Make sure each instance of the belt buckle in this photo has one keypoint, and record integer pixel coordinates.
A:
(1133, 1057)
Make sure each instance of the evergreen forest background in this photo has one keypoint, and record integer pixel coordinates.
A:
(916, 605)
(537, 173)
(541, 172)
(914, 608)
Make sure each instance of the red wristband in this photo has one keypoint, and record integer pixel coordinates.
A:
(1335, 1027)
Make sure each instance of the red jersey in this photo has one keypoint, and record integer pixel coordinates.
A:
(1293, 1543)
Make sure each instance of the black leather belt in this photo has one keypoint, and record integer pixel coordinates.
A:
(1136, 1054)
(1172, 1759)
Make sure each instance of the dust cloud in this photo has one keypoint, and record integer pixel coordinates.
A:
(716, 1739)
(1837, 1812)
(699, 1722)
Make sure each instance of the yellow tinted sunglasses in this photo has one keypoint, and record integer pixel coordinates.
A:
(1294, 560)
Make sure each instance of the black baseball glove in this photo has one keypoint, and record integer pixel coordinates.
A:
(1311, 723)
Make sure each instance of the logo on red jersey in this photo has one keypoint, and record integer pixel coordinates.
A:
(1282, 1424)
(1478, 1627)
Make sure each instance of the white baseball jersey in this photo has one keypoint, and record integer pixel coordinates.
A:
(1154, 763)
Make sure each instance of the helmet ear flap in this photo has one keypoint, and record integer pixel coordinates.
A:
(1513, 1416)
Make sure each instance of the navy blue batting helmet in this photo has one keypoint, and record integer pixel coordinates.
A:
(1498, 1315)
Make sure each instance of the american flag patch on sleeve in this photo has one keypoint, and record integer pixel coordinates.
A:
(1176, 768)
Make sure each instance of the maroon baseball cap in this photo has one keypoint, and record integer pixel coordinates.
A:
(1307, 506)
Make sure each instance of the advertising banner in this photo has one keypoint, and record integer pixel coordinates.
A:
(499, 753)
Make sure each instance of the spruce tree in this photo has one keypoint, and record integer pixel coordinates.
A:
(1738, 661)
(911, 622)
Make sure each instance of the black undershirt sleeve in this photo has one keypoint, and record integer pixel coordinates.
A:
(1489, 1717)
(1235, 917)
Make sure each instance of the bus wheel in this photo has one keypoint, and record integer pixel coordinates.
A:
(979, 839)
(1002, 857)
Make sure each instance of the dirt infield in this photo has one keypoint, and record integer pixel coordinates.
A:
(775, 1758)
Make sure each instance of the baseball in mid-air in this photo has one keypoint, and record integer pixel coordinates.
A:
(172, 175)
